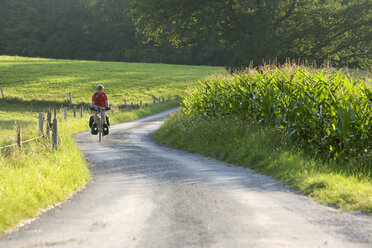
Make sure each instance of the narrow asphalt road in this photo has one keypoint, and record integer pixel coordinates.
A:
(146, 195)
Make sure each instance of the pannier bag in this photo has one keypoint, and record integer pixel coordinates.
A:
(94, 129)
(106, 129)
(91, 121)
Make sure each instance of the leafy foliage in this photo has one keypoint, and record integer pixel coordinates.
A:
(324, 111)
(219, 32)
(86, 29)
(336, 30)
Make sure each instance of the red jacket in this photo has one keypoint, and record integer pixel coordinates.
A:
(100, 100)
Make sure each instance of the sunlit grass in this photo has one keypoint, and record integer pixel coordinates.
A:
(48, 79)
(33, 84)
(33, 181)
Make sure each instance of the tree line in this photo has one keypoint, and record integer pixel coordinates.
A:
(211, 32)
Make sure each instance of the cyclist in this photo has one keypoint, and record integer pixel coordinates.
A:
(100, 98)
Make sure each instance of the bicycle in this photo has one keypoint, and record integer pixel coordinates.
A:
(100, 110)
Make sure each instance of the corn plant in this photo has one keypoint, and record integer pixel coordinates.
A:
(328, 112)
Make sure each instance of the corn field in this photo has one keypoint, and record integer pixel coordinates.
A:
(323, 110)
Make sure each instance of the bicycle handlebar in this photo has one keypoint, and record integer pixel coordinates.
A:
(98, 108)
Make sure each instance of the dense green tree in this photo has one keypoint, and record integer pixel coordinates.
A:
(254, 30)
(4, 11)
(339, 31)
(108, 29)
(213, 32)
(46, 28)
(84, 29)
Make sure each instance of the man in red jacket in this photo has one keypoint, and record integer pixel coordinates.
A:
(100, 98)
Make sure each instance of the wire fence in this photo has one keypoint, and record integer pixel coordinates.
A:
(26, 141)
(127, 104)
(22, 142)
(52, 125)
(6, 138)
(19, 142)
(37, 151)
(8, 146)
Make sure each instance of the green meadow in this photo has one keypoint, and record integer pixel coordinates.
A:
(52, 80)
(32, 84)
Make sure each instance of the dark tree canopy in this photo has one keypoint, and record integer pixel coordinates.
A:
(212, 32)
(82, 29)
(336, 30)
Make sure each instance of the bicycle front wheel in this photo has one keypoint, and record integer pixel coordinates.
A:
(100, 131)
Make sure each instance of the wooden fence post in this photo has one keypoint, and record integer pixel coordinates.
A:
(156, 99)
(65, 113)
(125, 103)
(131, 105)
(141, 104)
(81, 112)
(74, 111)
(41, 123)
(55, 131)
(70, 97)
(19, 137)
(117, 106)
(2, 93)
(49, 122)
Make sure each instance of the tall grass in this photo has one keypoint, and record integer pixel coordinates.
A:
(264, 149)
(327, 112)
(38, 176)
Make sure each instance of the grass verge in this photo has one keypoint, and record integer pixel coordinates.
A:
(264, 150)
(32, 180)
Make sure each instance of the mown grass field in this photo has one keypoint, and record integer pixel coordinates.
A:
(52, 80)
(38, 83)
(38, 176)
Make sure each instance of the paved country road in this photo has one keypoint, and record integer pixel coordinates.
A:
(146, 195)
